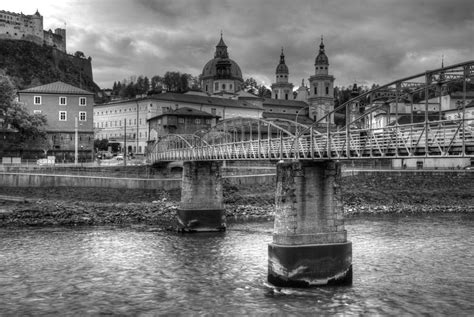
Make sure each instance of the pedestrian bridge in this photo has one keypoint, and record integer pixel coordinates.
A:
(310, 245)
(426, 134)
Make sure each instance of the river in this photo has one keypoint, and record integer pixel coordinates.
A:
(402, 266)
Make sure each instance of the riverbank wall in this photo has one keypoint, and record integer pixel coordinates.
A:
(52, 180)
(49, 200)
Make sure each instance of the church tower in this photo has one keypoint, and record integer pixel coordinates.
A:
(282, 89)
(221, 75)
(321, 95)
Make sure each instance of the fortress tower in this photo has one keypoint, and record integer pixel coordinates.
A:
(18, 26)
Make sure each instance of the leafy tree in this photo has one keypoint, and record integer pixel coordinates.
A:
(176, 82)
(157, 83)
(264, 92)
(28, 126)
(250, 84)
(79, 54)
(101, 145)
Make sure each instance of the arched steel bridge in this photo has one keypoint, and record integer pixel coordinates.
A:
(279, 139)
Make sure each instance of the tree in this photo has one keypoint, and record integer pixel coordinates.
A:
(79, 54)
(176, 82)
(264, 92)
(157, 83)
(250, 85)
(28, 126)
(101, 145)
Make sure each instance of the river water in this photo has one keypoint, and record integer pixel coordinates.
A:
(402, 266)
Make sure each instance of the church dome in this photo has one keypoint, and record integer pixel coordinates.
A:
(321, 59)
(221, 66)
(282, 68)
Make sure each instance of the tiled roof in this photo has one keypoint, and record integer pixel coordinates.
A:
(169, 96)
(301, 119)
(185, 111)
(283, 102)
(57, 88)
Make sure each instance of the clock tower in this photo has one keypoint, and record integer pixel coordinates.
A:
(321, 94)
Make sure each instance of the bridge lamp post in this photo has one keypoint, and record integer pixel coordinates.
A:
(76, 140)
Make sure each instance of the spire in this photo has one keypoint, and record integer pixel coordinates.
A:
(442, 61)
(321, 46)
(321, 59)
(221, 49)
(282, 57)
(302, 82)
(282, 68)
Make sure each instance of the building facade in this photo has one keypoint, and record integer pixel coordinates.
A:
(18, 26)
(69, 112)
(110, 118)
(180, 121)
(125, 122)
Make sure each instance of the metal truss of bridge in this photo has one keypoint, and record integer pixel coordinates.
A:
(278, 139)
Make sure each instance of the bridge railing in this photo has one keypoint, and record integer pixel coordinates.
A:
(250, 138)
(437, 138)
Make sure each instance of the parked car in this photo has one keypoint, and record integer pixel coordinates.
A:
(470, 167)
(119, 157)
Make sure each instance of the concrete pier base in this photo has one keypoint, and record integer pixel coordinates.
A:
(310, 265)
(201, 208)
(310, 246)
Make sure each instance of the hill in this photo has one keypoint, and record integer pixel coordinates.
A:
(29, 64)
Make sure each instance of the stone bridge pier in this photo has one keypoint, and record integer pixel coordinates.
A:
(201, 208)
(310, 246)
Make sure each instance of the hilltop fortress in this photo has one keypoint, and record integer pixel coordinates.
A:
(18, 26)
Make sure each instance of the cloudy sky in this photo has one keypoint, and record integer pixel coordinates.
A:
(367, 41)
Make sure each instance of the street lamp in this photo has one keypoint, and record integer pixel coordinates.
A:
(75, 140)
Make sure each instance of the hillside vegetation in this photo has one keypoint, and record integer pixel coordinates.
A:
(29, 65)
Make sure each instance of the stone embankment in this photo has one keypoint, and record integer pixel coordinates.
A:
(363, 194)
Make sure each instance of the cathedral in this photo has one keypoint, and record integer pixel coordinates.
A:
(222, 77)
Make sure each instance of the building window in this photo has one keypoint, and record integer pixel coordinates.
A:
(216, 86)
(223, 86)
(37, 100)
(276, 95)
(213, 111)
(327, 90)
(180, 120)
(197, 121)
(208, 121)
(230, 86)
(207, 87)
(62, 115)
(82, 101)
(159, 121)
(82, 116)
(286, 96)
(62, 101)
(315, 90)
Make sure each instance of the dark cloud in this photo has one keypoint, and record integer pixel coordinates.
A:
(366, 40)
